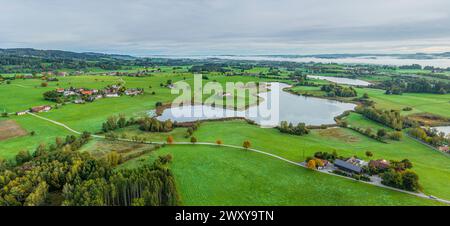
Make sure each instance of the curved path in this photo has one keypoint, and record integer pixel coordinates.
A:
(421, 195)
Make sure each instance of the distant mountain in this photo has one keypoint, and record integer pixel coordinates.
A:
(59, 54)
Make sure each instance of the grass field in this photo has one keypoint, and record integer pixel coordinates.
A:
(131, 131)
(420, 102)
(225, 176)
(23, 94)
(45, 133)
(359, 121)
(432, 166)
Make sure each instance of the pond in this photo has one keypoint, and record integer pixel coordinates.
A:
(292, 108)
(347, 81)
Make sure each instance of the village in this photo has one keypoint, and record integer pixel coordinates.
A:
(81, 96)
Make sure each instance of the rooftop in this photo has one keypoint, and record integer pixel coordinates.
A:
(346, 165)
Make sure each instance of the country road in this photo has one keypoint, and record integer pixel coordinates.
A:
(421, 195)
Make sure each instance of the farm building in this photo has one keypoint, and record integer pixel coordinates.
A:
(346, 166)
(112, 95)
(87, 92)
(41, 108)
(78, 101)
(356, 161)
(22, 112)
(133, 92)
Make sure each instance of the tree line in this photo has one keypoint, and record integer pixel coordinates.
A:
(413, 85)
(390, 118)
(430, 136)
(334, 90)
(77, 178)
(299, 129)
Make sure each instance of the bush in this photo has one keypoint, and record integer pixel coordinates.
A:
(23, 156)
(381, 133)
(396, 135)
(169, 139)
(165, 159)
(246, 144)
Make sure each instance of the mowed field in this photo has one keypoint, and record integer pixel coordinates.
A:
(438, 104)
(359, 121)
(23, 94)
(432, 167)
(207, 175)
(45, 132)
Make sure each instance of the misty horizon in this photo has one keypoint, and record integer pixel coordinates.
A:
(227, 27)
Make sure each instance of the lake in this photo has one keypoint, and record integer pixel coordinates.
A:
(347, 81)
(292, 108)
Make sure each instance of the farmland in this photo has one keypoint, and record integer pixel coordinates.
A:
(420, 103)
(225, 176)
(208, 175)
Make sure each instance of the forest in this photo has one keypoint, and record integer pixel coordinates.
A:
(59, 174)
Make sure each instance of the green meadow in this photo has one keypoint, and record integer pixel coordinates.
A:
(431, 166)
(438, 104)
(225, 176)
(45, 133)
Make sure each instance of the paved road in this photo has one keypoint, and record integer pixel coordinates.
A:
(421, 195)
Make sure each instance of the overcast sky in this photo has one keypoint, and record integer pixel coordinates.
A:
(227, 26)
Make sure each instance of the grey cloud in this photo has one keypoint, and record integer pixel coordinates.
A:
(225, 26)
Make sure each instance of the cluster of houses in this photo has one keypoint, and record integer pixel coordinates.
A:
(444, 148)
(81, 95)
(93, 94)
(140, 73)
(59, 73)
(132, 74)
